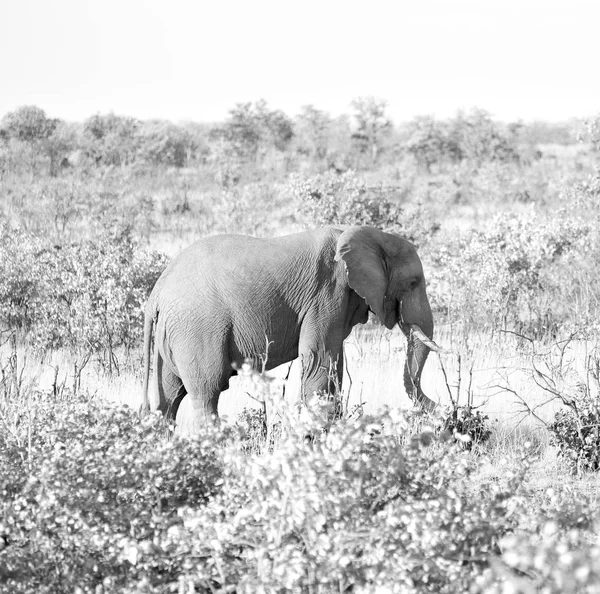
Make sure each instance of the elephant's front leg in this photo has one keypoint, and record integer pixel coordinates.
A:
(322, 369)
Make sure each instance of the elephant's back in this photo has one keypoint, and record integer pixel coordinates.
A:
(238, 268)
(212, 255)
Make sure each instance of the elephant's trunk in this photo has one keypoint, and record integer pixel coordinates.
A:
(420, 342)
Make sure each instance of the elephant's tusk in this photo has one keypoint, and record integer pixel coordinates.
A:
(416, 330)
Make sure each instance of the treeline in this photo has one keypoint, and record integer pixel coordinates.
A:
(257, 136)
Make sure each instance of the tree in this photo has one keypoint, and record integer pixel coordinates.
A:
(591, 132)
(313, 126)
(253, 130)
(277, 129)
(162, 143)
(63, 141)
(372, 125)
(110, 139)
(480, 138)
(429, 142)
(29, 124)
(29, 130)
(198, 149)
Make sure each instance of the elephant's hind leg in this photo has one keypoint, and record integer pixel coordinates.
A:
(204, 383)
(170, 389)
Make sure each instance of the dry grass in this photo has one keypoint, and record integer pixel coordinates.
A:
(490, 371)
(494, 369)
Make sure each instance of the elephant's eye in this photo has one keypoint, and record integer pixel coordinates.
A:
(413, 284)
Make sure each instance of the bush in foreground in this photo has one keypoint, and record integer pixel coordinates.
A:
(95, 500)
(576, 432)
(79, 479)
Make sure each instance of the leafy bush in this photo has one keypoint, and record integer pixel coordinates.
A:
(505, 274)
(96, 500)
(81, 480)
(356, 508)
(555, 552)
(470, 425)
(332, 199)
(480, 139)
(345, 199)
(241, 209)
(576, 432)
(18, 281)
(85, 296)
(253, 130)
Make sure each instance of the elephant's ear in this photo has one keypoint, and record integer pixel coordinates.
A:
(362, 250)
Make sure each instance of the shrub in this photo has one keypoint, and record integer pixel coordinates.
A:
(18, 277)
(557, 553)
(355, 508)
(82, 481)
(345, 199)
(469, 425)
(83, 296)
(502, 274)
(332, 199)
(95, 500)
(241, 209)
(576, 432)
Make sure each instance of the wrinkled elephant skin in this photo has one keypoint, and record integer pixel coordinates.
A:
(224, 297)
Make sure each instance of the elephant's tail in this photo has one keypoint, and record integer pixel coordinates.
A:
(149, 319)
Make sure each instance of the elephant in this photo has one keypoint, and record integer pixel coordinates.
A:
(224, 297)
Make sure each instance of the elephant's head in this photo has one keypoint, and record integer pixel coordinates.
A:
(386, 272)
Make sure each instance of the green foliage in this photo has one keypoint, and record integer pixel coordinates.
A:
(84, 296)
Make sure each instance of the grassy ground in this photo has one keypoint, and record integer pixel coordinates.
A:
(491, 372)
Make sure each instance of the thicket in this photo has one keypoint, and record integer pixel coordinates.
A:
(87, 297)
(95, 500)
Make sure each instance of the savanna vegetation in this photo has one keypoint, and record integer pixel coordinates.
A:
(496, 492)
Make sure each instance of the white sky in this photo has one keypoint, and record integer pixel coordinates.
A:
(195, 60)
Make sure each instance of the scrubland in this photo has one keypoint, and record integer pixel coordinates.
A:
(495, 492)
